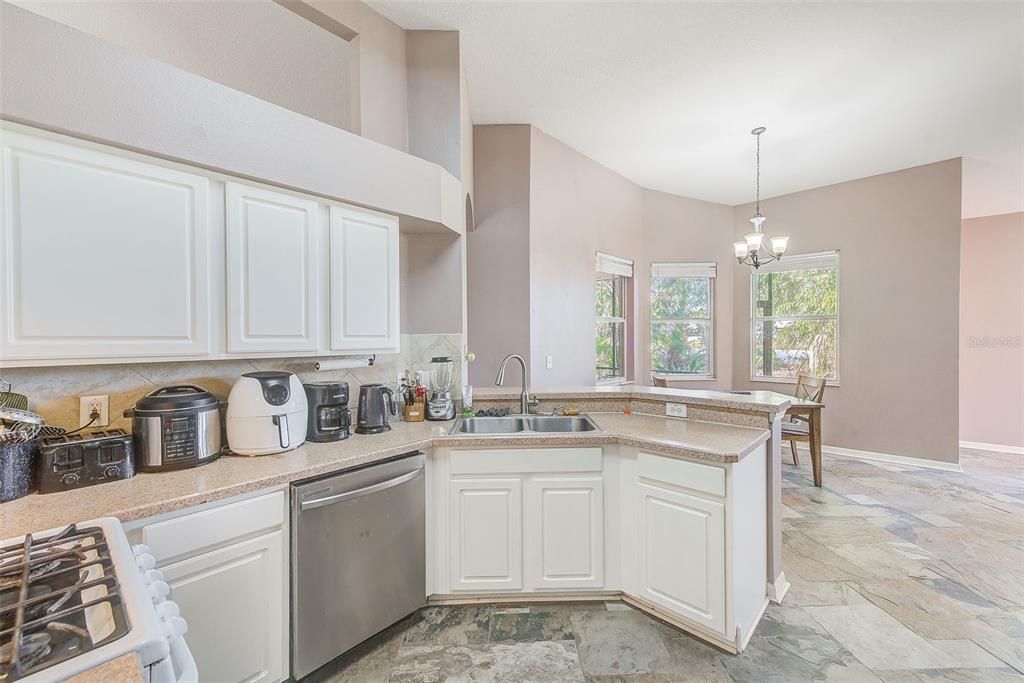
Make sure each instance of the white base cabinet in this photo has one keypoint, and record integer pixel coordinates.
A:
(487, 534)
(235, 630)
(683, 539)
(227, 566)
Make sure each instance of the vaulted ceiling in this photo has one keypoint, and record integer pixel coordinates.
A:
(666, 93)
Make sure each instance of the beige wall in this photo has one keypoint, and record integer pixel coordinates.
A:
(431, 284)
(899, 241)
(498, 250)
(678, 229)
(379, 74)
(991, 329)
(435, 97)
(257, 47)
(577, 208)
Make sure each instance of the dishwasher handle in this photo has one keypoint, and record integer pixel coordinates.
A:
(314, 503)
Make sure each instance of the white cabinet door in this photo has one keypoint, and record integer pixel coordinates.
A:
(233, 601)
(564, 528)
(485, 534)
(682, 554)
(272, 274)
(103, 256)
(364, 281)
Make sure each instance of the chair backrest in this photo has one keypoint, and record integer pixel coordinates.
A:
(810, 388)
(660, 382)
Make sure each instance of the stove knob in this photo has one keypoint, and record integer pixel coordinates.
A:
(175, 627)
(159, 590)
(69, 479)
(146, 561)
(112, 471)
(140, 548)
(168, 610)
(154, 575)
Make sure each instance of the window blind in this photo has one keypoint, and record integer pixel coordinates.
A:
(821, 259)
(684, 269)
(614, 265)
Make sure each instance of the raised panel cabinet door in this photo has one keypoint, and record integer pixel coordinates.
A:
(272, 273)
(485, 534)
(682, 554)
(364, 280)
(233, 600)
(564, 532)
(103, 257)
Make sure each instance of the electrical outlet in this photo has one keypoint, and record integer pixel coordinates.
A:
(89, 404)
(675, 409)
(550, 362)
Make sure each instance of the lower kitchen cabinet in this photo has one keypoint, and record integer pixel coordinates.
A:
(563, 523)
(227, 566)
(236, 620)
(486, 534)
(682, 554)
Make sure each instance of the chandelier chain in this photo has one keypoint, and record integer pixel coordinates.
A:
(757, 182)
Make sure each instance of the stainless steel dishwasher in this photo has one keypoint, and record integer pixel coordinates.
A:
(358, 557)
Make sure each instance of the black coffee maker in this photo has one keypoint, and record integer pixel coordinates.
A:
(328, 418)
(375, 402)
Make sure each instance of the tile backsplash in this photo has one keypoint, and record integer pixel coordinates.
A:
(53, 392)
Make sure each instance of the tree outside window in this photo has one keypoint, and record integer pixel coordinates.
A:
(681, 323)
(610, 298)
(796, 319)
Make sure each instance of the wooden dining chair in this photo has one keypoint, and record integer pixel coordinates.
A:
(660, 382)
(797, 427)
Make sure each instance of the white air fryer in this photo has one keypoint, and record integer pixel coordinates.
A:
(266, 413)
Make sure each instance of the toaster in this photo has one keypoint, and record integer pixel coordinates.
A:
(267, 413)
(71, 461)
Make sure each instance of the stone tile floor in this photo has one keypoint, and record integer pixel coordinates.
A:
(899, 575)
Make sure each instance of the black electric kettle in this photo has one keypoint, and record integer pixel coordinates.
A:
(375, 401)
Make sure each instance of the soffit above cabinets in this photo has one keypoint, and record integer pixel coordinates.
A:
(158, 109)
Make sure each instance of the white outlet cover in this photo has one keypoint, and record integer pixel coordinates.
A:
(675, 409)
(84, 409)
(550, 362)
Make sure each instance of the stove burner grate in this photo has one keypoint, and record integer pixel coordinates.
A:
(48, 587)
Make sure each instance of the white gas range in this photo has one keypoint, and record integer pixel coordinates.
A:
(76, 597)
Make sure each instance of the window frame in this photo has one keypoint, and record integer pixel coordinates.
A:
(710, 320)
(809, 259)
(615, 320)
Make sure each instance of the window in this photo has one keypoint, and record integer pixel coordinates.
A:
(795, 314)
(610, 297)
(682, 302)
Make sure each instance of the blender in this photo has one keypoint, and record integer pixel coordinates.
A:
(441, 406)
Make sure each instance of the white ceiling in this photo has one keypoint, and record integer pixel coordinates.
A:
(666, 93)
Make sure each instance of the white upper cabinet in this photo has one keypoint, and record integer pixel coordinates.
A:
(364, 310)
(272, 271)
(103, 256)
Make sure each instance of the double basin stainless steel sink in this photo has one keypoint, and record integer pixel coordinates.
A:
(517, 424)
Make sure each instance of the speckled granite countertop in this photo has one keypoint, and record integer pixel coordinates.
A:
(145, 495)
(124, 669)
(760, 401)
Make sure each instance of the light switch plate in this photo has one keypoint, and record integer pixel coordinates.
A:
(675, 409)
(85, 407)
(550, 362)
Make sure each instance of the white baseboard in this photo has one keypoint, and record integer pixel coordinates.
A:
(884, 457)
(994, 447)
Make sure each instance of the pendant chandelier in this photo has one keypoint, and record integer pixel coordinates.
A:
(751, 250)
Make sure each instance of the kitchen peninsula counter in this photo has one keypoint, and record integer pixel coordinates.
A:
(149, 494)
